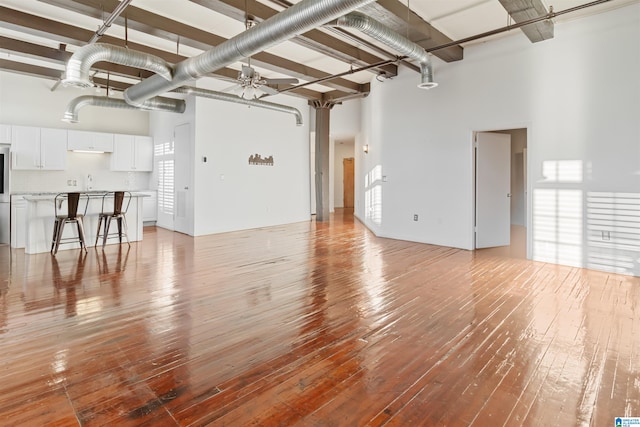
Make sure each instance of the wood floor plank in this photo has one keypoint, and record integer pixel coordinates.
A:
(312, 324)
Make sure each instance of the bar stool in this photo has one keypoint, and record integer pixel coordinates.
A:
(118, 213)
(71, 216)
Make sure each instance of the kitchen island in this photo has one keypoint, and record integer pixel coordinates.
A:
(39, 219)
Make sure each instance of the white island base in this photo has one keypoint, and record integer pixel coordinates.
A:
(40, 218)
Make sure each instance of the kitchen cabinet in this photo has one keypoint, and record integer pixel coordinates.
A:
(132, 153)
(18, 221)
(4, 222)
(80, 140)
(150, 206)
(35, 148)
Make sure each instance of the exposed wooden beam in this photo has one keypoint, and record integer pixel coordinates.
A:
(314, 39)
(157, 25)
(523, 10)
(32, 24)
(29, 69)
(393, 14)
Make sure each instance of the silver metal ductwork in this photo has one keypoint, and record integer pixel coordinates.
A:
(157, 103)
(220, 96)
(395, 41)
(297, 19)
(79, 65)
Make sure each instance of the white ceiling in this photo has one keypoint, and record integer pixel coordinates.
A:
(456, 19)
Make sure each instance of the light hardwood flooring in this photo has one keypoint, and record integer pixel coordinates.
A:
(312, 324)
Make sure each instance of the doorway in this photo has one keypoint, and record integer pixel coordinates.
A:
(183, 214)
(509, 208)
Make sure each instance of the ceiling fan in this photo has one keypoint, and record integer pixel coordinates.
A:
(250, 83)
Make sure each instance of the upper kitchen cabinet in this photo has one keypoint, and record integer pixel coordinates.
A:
(80, 140)
(132, 153)
(34, 148)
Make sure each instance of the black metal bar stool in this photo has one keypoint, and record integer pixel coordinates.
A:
(121, 201)
(69, 215)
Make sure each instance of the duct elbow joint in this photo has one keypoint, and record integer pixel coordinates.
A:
(75, 75)
(70, 116)
(426, 76)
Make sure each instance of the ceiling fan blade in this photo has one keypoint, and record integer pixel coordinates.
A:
(268, 91)
(230, 88)
(282, 81)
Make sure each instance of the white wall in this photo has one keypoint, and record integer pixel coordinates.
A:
(578, 96)
(229, 193)
(29, 101)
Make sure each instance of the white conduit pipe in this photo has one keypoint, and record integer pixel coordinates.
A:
(158, 103)
(297, 19)
(79, 65)
(395, 41)
(220, 96)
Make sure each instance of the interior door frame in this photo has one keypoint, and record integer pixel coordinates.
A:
(528, 191)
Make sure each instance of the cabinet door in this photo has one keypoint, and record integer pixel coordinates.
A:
(149, 206)
(18, 221)
(90, 141)
(143, 155)
(53, 149)
(25, 147)
(123, 153)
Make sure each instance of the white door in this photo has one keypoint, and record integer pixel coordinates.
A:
(493, 187)
(183, 220)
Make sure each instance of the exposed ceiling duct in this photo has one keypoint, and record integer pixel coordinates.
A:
(158, 104)
(385, 35)
(79, 65)
(220, 96)
(297, 19)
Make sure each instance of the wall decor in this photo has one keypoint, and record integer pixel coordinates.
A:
(257, 159)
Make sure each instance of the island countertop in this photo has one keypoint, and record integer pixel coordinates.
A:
(39, 219)
(89, 194)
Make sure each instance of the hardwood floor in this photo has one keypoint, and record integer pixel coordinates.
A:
(312, 324)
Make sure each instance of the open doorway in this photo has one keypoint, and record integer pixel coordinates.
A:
(515, 192)
(342, 185)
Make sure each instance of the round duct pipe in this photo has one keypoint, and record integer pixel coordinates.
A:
(79, 65)
(157, 103)
(220, 96)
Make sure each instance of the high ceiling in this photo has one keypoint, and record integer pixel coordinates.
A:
(38, 36)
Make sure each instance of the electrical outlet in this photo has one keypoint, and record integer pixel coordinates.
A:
(415, 217)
